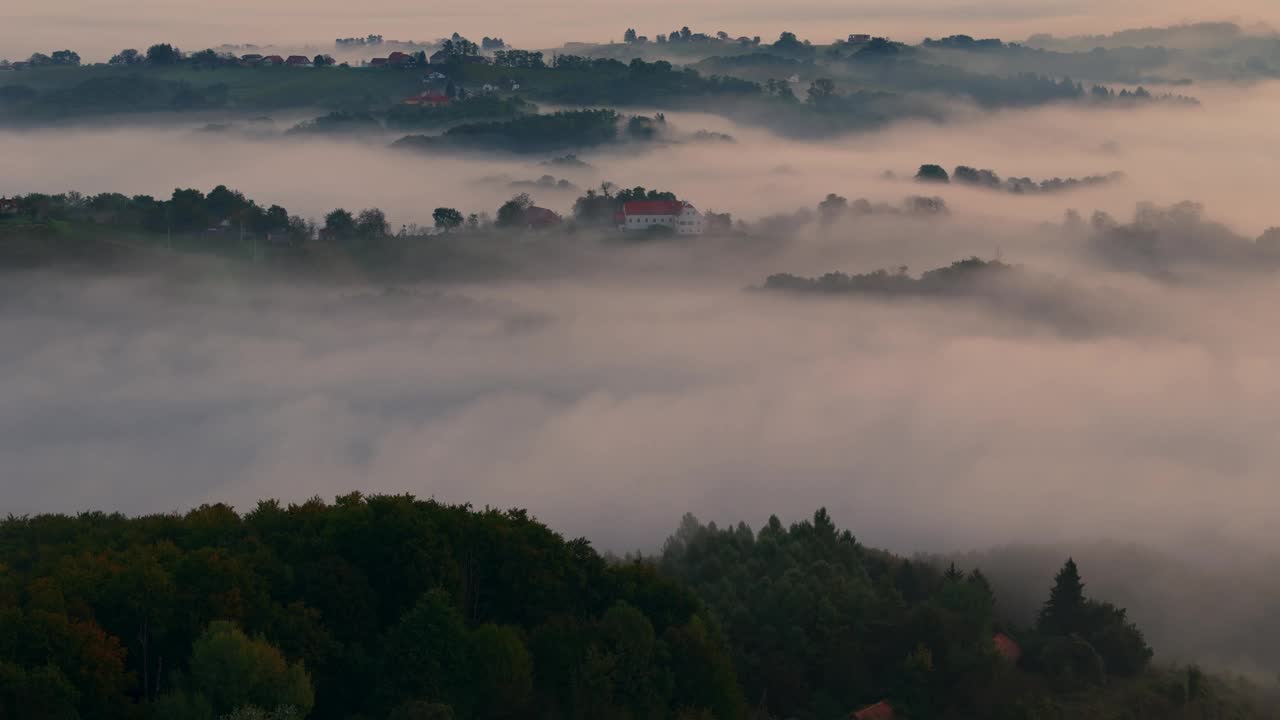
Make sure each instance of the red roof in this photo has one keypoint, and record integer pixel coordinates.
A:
(1007, 647)
(652, 207)
(298, 60)
(273, 59)
(880, 711)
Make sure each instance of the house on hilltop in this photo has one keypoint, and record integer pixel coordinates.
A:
(681, 217)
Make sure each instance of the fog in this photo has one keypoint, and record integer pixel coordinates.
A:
(97, 29)
(1208, 154)
(634, 384)
(610, 387)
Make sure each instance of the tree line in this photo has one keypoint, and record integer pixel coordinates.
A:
(399, 608)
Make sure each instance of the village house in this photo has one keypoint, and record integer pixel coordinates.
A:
(377, 62)
(273, 60)
(251, 59)
(681, 217)
(298, 61)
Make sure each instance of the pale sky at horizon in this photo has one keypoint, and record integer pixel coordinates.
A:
(97, 28)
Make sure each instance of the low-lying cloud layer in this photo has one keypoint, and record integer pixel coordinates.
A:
(612, 403)
(1210, 155)
(644, 382)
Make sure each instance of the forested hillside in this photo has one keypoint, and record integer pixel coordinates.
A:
(392, 607)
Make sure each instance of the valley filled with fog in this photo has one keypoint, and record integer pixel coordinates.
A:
(640, 381)
(1075, 356)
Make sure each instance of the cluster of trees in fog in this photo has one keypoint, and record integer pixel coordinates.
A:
(959, 277)
(392, 607)
(525, 133)
(990, 180)
(1164, 241)
(187, 211)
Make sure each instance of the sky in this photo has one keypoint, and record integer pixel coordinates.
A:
(98, 28)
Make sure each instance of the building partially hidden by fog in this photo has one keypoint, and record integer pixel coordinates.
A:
(681, 217)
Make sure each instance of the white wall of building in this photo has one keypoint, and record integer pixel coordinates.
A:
(688, 222)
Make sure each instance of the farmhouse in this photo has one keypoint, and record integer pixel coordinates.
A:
(681, 217)
(298, 61)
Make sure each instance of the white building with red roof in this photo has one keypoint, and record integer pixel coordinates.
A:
(681, 217)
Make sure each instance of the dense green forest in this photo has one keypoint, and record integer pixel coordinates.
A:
(393, 607)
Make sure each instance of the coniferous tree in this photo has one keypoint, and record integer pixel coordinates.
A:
(1064, 611)
(952, 574)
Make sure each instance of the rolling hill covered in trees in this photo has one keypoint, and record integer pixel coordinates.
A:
(393, 607)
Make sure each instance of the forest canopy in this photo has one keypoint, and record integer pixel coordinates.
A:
(394, 607)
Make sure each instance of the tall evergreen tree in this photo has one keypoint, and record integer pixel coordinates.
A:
(1065, 610)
